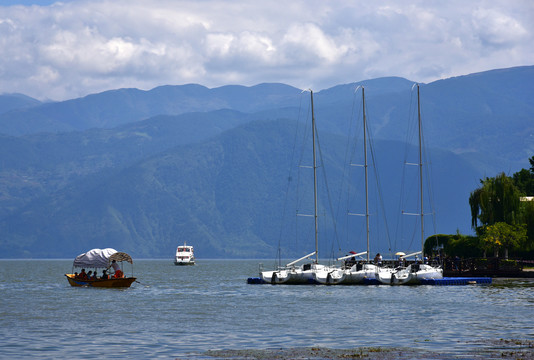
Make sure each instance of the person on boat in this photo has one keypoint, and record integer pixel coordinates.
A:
(94, 277)
(117, 270)
(89, 275)
(378, 259)
(83, 275)
(104, 275)
(76, 275)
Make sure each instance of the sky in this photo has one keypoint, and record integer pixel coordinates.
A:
(53, 50)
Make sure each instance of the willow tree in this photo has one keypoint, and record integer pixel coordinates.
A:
(497, 200)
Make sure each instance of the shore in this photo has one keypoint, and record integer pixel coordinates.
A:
(496, 349)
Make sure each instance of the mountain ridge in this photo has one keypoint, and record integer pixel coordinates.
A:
(143, 184)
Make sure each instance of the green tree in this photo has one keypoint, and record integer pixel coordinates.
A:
(528, 220)
(497, 200)
(503, 235)
(524, 179)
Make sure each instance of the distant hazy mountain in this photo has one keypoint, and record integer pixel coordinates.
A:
(226, 196)
(123, 106)
(142, 171)
(10, 102)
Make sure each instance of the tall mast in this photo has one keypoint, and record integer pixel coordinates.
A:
(314, 182)
(365, 167)
(421, 173)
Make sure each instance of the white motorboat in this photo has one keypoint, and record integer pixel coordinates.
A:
(184, 255)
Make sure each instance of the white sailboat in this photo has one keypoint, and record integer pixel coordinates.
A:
(359, 272)
(292, 273)
(415, 272)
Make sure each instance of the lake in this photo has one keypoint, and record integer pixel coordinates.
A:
(181, 312)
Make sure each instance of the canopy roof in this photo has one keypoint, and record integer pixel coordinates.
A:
(100, 258)
(121, 256)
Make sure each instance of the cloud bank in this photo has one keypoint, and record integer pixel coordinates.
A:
(70, 49)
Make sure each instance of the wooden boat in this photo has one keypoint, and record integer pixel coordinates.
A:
(105, 283)
(101, 259)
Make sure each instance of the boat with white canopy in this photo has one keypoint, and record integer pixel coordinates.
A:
(101, 259)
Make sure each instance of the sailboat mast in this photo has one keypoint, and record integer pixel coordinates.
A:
(365, 167)
(421, 173)
(314, 182)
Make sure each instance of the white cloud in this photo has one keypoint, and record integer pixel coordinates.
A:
(498, 29)
(71, 49)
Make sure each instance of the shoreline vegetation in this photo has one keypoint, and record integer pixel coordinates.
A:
(480, 349)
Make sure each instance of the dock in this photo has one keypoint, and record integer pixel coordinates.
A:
(457, 281)
(446, 281)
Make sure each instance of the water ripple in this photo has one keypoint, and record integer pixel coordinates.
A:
(173, 311)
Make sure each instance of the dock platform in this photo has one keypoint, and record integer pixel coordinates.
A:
(457, 281)
(446, 281)
(255, 280)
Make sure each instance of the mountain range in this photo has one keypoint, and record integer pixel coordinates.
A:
(145, 171)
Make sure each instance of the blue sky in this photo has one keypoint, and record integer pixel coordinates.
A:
(68, 49)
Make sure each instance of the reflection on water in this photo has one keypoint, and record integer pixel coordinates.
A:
(173, 311)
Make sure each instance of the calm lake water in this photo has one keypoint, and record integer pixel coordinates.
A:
(180, 312)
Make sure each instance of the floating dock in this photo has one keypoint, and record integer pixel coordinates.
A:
(439, 282)
(457, 281)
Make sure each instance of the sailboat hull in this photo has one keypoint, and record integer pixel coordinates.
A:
(300, 275)
(329, 276)
(360, 274)
(411, 275)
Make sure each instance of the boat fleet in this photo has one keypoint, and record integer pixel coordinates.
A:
(351, 271)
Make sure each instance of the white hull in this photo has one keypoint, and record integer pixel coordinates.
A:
(184, 255)
(359, 274)
(299, 275)
(184, 262)
(411, 275)
(329, 275)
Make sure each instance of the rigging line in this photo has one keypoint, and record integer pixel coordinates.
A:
(370, 137)
(428, 172)
(289, 180)
(346, 165)
(302, 152)
(306, 135)
(350, 156)
(323, 169)
(399, 229)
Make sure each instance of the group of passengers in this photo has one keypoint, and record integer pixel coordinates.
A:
(93, 276)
